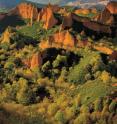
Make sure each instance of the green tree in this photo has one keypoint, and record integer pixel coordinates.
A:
(59, 61)
(24, 95)
(59, 116)
(46, 66)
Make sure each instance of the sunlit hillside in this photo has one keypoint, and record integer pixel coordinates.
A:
(58, 64)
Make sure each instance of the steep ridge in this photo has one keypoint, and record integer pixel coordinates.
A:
(101, 24)
(105, 22)
(29, 11)
(112, 7)
(47, 17)
(108, 16)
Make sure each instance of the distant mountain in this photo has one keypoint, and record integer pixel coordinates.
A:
(82, 3)
(74, 2)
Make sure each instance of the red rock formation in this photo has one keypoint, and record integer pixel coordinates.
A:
(61, 39)
(36, 60)
(112, 7)
(108, 15)
(105, 17)
(58, 37)
(47, 17)
(27, 11)
(6, 36)
(69, 40)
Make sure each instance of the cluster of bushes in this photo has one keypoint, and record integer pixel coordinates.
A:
(69, 87)
(89, 64)
(64, 106)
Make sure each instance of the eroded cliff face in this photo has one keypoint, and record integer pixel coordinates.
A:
(63, 38)
(108, 16)
(34, 61)
(27, 11)
(6, 36)
(112, 7)
(59, 40)
(47, 17)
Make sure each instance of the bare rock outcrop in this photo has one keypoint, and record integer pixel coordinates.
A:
(64, 38)
(47, 17)
(6, 36)
(112, 7)
(27, 11)
(105, 17)
(108, 16)
(34, 61)
(60, 40)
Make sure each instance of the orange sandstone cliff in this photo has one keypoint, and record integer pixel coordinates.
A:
(108, 16)
(34, 61)
(60, 39)
(112, 7)
(47, 17)
(27, 11)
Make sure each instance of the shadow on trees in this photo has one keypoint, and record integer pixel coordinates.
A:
(12, 20)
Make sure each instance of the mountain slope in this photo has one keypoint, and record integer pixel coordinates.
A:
(8, 4)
